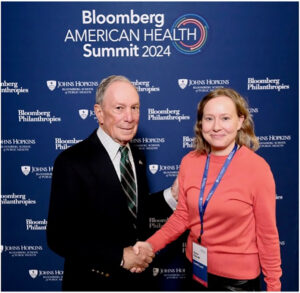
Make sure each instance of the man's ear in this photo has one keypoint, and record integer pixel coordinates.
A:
(99, 113)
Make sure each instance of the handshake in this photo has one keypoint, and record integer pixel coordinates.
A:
(137, 258)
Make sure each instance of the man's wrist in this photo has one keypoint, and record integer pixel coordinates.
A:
(170, 199)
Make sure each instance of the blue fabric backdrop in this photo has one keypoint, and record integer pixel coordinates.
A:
(55, 53)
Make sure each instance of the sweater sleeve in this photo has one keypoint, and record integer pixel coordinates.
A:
(266, 229)
(176, 224)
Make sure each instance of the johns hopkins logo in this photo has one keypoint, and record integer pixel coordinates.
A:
(1, 248)
(196, 36)
(25, 170)
(83, 113)
(182, 83)
(153, 168)
(51, 84)
(33, 273)
(155, 272)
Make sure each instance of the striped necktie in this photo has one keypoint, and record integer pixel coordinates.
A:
(128, 181)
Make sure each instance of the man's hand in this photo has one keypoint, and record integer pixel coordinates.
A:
(174, 189)
(140, 261)
(141, 248)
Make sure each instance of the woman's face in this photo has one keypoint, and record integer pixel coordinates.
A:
(220, 124)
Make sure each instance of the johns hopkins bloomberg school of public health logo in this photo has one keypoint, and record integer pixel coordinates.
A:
(46, 275)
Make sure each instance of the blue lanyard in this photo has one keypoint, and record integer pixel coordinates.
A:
(202, 207)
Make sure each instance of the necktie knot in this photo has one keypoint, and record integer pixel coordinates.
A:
(124, 151)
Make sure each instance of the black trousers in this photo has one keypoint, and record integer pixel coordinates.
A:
(217, 283)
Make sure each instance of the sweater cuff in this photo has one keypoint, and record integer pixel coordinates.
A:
(171, 201)
(150, 240)
(274, 288)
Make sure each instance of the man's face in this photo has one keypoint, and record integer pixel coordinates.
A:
(119, 113)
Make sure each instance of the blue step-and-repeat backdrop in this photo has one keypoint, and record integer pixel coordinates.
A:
(55, 53)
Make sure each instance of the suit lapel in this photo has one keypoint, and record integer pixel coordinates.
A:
(103, 169)
(102, 161)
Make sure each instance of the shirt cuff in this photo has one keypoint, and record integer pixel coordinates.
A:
(171, 201)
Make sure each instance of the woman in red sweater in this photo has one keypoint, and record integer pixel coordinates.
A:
(227, 201)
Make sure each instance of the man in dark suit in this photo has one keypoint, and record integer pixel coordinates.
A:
(90, 223)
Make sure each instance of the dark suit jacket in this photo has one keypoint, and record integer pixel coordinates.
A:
(89, 223)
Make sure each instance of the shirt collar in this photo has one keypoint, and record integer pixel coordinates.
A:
(109, 144)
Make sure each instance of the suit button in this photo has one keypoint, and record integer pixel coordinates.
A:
(107, 275)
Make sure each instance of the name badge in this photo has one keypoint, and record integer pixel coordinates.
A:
(200, 264)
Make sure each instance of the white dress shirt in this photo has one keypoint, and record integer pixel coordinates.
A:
(112, 149)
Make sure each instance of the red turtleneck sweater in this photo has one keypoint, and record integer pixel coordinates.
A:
(240, 230)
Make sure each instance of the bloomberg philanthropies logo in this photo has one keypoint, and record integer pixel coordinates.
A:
(37, 116)
(145, 86)
(63, 144)
(12, 88)
(35, 225)
(166, 114)
(264, 84)
(16, 199)
(188, 142)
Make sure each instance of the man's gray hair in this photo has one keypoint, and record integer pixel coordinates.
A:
(105, 83)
